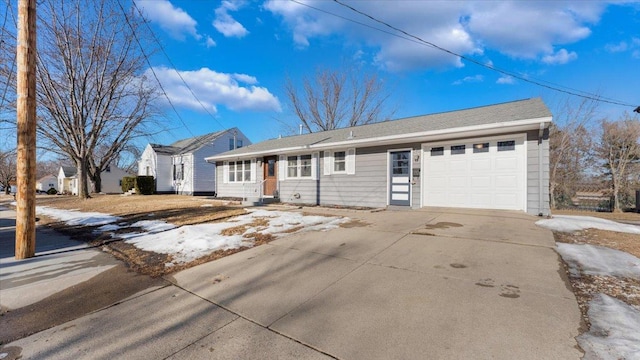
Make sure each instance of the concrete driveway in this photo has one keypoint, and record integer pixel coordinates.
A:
(433, 283)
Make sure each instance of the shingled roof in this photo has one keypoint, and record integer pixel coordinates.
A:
(485, 115)
(187, 145)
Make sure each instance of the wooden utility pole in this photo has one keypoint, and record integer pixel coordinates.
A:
(26, 110)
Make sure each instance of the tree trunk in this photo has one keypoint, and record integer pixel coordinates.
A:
(97, 182)
(83, 176)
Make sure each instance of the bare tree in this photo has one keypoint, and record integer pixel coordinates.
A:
(338, 98)
(47, 167)
(570, 147)
(7, 169)
(91, 88)
(619, 150)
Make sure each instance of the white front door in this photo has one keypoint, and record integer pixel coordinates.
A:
(400, 178)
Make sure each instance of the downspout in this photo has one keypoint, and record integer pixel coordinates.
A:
(540, 171)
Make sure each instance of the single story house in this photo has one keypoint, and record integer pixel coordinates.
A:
(490, 157)
(180, 168)
(67, 180)
(111, 179)
(47, 182)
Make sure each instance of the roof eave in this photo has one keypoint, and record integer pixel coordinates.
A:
(424, 136)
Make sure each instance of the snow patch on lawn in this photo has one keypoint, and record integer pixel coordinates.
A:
(615, 325)
(615, 330)
(188, 243)
(568, 223)
(77, 218)
(599, 260)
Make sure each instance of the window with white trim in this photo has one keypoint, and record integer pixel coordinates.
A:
(299, 166)
(239, 171)
(340, 162)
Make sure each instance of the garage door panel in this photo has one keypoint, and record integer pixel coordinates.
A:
(507, 201)
(481, 182)
(510, 163)
(506, 182)
(458, 198)
(481, 164)
(458, 165)
(458, 182)
(439, 182)
(438, 166)
(491, 179)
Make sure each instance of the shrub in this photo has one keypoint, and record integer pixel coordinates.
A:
(145, 185)
(52, 191)
(128, 183)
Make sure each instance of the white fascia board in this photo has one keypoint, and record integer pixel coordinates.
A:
(467, 131)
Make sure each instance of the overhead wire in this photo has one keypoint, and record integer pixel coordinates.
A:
(174, 67)
(416, 39)
(200, 139)
(13, 58)
(144, 54)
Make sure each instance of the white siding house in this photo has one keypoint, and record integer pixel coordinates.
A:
(47, 182)
(111, 180)
(180, 168)
(490, 157)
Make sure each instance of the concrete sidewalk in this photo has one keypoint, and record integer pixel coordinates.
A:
(435, 283)
(59, 263)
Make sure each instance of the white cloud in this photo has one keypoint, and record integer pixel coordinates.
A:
(513, 28)
(234, 91)
(562, 56)
(210, 42)
(175, 21)
(469, 79)
(525, 29)
(619, 47)
(506, 80)
(225, 23)
(623, 46)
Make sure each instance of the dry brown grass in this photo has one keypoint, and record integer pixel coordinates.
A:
(622, 216)
(175, 209)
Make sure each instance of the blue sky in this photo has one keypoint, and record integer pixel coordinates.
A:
(235, 55)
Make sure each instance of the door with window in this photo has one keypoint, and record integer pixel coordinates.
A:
(270, 171)
(400, 178)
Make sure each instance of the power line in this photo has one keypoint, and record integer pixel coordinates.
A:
(13, 58)
(413, 38)
(144, 54)
(174, 66)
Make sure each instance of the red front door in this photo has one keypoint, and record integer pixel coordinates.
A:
(270, 171)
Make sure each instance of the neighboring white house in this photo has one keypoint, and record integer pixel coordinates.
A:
(47, 182)
(111, 180)
(180, 168)
(67, 180)
(490, 157)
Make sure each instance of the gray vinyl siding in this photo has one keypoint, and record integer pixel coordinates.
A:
(366, 188)
(534, 207)
(203, 172)
(237, 189)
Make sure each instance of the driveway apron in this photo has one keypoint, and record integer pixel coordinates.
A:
(434, 283)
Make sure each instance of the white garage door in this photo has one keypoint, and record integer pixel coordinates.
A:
(482, 173)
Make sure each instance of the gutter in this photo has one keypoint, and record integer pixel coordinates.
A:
(528, 124)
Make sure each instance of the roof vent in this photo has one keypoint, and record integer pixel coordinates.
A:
(350, 135)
